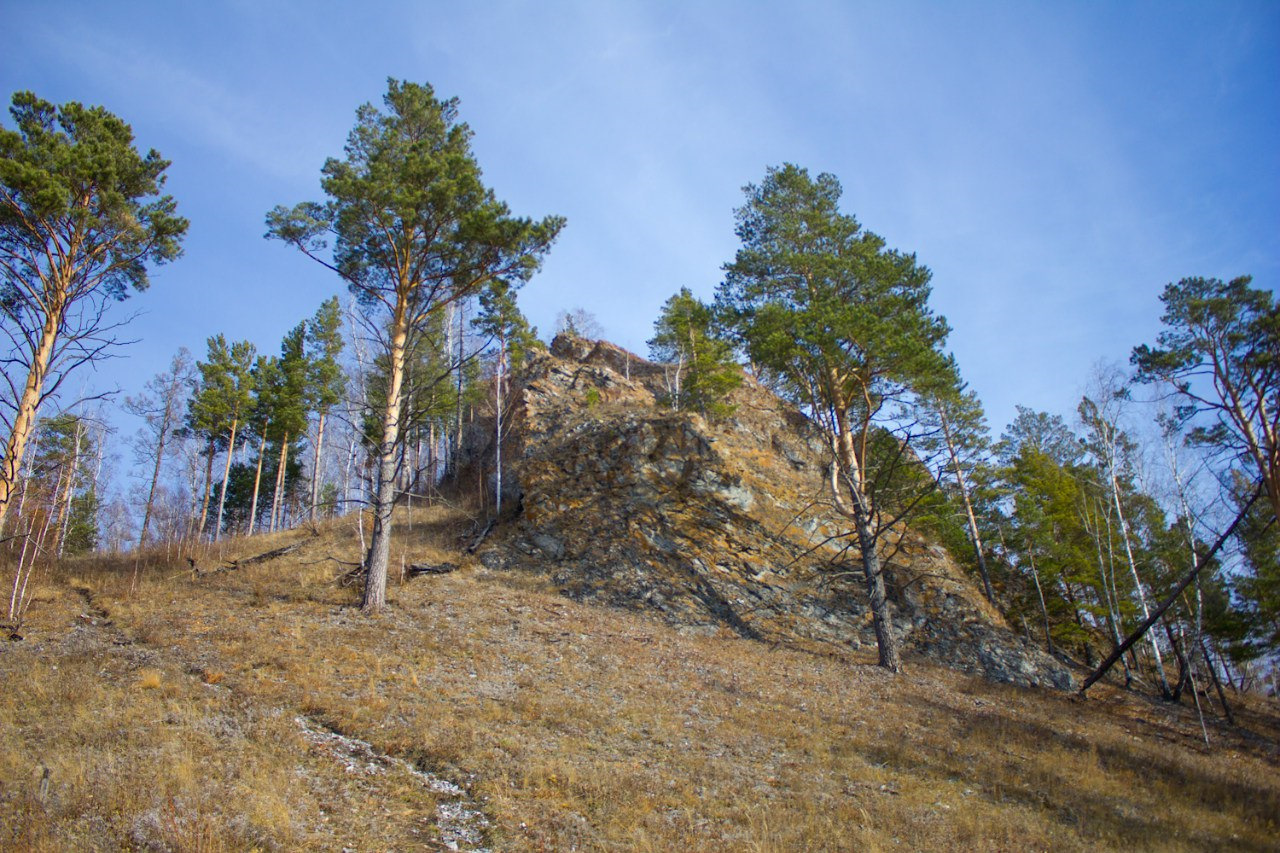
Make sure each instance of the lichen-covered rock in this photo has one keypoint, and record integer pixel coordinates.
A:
(714, 525)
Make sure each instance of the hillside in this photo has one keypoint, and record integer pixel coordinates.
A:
(661, 645)
(202, 713)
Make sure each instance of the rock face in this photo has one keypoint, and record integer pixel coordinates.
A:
(716, 526)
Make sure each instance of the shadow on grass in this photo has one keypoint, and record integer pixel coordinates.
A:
(1091, 814)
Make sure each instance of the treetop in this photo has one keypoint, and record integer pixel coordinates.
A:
(407, 207)
(71, 174)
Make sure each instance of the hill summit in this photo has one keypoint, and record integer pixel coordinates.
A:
(718, 526)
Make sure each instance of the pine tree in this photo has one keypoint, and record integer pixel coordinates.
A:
(414, 229)
(963, 428)
(702, 372)
(1051, 540)
(266, 380)
(218, 408)
(1045, 537)
(81, 218)
(1220, 352)
(845, 326)
(324, 345)
(289, 412)
(1257, 584)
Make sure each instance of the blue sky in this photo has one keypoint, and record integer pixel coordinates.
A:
(1054, 164)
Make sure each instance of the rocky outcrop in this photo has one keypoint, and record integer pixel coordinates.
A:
(717, 526)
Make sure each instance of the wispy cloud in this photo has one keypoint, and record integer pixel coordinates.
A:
(242, 124)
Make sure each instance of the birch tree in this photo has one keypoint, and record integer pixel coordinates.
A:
(964, 435)
(236, 378)
(218, 408)
(160, 407)
(1111, 448)
(500, 318)
(289, 411)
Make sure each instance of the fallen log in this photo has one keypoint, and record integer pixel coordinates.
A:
(1197, 563)
(351, 576)
(415, 569)
(471, 549)
(264, 557)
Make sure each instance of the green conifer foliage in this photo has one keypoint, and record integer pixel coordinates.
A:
(324, 346)
(1220, 351)
(81, 218)
(290, 411)
(844, 324)
(266, 381)
(413, 229)
(701, 368)
(218, 408)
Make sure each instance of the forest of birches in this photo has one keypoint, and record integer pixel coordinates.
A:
(1076, 525)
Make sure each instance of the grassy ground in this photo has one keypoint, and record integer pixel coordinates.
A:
(183, 717)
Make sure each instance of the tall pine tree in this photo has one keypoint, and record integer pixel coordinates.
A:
(218, 408)
(324, 345)
(414, 229)
(844, 323)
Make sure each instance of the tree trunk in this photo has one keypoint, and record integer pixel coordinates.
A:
(1044, 610)
(375, 585)
(1137, 582)
(22, 492)
(71, 487)
(433, 456)
(352, 446)
(974, 536)
(19, 594)
(497, 452)
(890, 658)
(1184, 668)
(1213, 673)
(226, 475)
(284, 482)
(155, 479)
(1070, 595)
(457, 432)
(54, 513)
(1108, 599)
(277, 498)
(257, 481)
(846, 465)
(24, 418)
(208, 484)
(315, 467)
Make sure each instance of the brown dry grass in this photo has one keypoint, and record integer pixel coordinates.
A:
(166, 720)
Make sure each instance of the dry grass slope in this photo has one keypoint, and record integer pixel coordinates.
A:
(168, 720)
